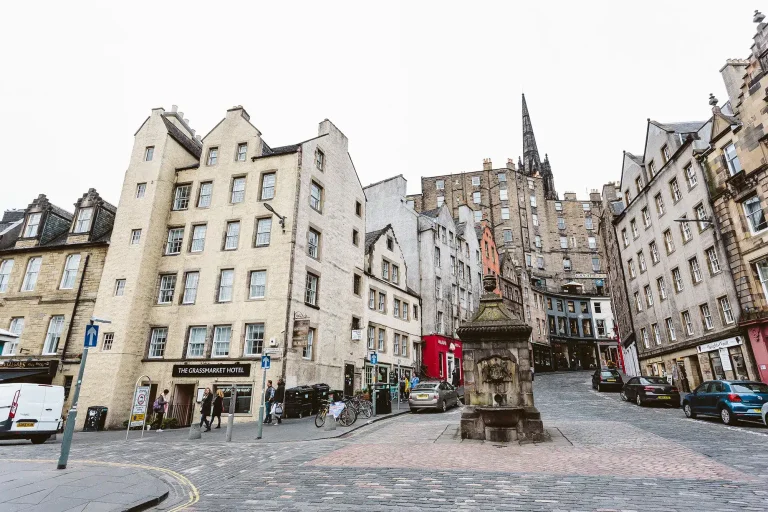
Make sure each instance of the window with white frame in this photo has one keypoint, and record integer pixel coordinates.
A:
(157, 341)
(385, 268)
(675, 189)
(316, 196)
(232, 235)
(141, 189)
(563, 242)
(30, 276)
(83, 222)
(507, 233)
(588, 224)
(226, 282)
(475, 181)
(308, 350)
(670, 329)
(533, 201)
(5, 274)
(560, 223)
(438, 287)
(196, 341)
(254, 339)
(633, 225)
(257, 288)
(639, 184)
(149, 152)
(566, 264)
(174, 242)
(540, 261)
(33, 225)
(648, 295)
(319, 160)
(690, 176)
(440, 326)
(52, 337)
(440, 201)
(668, 241)
(313, 243)
(396, 345)
(478, 215)
(714, 263)
(755, 215)
(371, 337)
(624, 237)
(213, 156)
(505, 213)
(638, 302)
(503, 195)
(135, 236)
(595, 264)
(685, 230)
(644, 333)
(665, 153)
(641, 261)
(310, 295)
(71, 264)
(119, 287)
(222, 335)
(191, 279)
(502, 177)
(646, 217)
(701, 216)
(268, 186)
(687, 322)
(558, 206)
(592, 242)
(732, 159)
(440, 184)
(762, 273)
(238, 190)
(437, 257)
(662, 287)
(198, 238)
(725, 309)
(659, 204)
(181, 196)
(677, 279)
(586, 207)
(476, 197)
(16, 327)
(381, 347)
(656, 333)
(706, 317)
(107, 341)
(695, 270)
(242, 151)
(654, 252)
(204, 197)
(631, 268)
(371, 299)
(167, 288)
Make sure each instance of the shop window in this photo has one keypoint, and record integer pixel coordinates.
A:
(243, 398)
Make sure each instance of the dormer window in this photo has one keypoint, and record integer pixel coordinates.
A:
(33, 224)
(83, 223)
(665, 153)
(213, 155)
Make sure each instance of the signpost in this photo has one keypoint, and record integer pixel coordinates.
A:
(231, 416)
(375, 362)
(266, 361)
(139, 407)
(91, 339)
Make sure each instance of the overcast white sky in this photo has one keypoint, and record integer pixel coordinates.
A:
(420, 88)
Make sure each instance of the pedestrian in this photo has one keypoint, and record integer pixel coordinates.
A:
(269, 398)
(205, 409)
(218, 407)
(407, 387)
(455, 379)
(279, 399)
(161, 403)
(402, 387)
(415, 381)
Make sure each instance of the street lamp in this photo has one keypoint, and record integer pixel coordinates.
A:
(272, 210)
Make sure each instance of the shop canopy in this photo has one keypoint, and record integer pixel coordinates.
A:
(19, 375)
(572, 283)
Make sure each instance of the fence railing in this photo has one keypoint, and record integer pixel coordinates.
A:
(182, 412)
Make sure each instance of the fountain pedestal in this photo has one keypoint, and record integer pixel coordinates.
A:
(498, 391)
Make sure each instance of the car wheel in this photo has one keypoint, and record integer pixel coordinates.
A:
(443, 406)
(688, 410)
(623, 396)
(599, 389)
(39, 439)
(414, 411)
(639, 400)
(727, 416)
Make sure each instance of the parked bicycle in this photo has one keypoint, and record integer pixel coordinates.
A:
(346, 417)
(361, 407)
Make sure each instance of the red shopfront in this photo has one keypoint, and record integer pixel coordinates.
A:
(440, 356)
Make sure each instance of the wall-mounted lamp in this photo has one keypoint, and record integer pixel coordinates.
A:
(272, 210)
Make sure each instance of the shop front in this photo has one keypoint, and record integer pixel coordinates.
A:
(758, 337)
(441, 356)
(610, 354)
(724, 359)
(542, 357)
(36, 372)
(569, 354)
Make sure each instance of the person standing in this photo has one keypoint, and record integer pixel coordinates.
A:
(279, 398)
(407, 388)
(218, 407)
(205, 409)
(159, 407)
(269, 398)
(455, 378)
(415, 381)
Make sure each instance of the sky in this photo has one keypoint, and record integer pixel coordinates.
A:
(419, 88)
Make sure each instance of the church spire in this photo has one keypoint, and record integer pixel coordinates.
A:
(531, 159)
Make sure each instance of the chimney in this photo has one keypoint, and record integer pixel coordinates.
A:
(570, 196)
(174, 108)
(487, 165)
(595, 196)
(510, 164)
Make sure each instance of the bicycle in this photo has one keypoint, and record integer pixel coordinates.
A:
(360, 406)
(346, 417)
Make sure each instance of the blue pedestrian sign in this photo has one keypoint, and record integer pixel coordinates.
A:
(374, 358)
(91, 336)
(265, 362)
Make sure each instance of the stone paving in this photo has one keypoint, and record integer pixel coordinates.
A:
(607, 455)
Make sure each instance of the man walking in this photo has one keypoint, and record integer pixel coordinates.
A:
(269, 397)
(161, 403)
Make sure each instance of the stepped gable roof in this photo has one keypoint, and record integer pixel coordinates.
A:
(192, 146)
(373, 236)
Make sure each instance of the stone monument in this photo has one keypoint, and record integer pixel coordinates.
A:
(498, 392)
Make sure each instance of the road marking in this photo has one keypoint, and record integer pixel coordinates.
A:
(193, 494)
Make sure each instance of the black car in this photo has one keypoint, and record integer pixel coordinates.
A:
(605, 378)
(644, 390)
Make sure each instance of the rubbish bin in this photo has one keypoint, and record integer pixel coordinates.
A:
(383, 399)
(321, 393)
(95, 419)
(298, 402)
(338, 394)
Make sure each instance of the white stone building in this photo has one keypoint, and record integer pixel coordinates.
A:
(225, 247)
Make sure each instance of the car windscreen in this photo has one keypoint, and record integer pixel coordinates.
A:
(749, 387)
(610, 373)
(653, 380)
(426, 386)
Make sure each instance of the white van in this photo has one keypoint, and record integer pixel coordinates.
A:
(30, 411)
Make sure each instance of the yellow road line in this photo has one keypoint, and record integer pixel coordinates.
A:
(193, 493)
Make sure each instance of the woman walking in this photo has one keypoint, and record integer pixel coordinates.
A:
(218, 406)
(205, 409)
(278, 399)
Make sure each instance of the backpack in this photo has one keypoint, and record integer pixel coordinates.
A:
(157, 407)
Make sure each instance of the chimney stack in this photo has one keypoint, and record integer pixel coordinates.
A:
(487, 165)
(510, 164)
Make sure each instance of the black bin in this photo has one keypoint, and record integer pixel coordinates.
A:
(321, 394)
(383, 399)
(298, 402)
(338, 394)
(95, 419)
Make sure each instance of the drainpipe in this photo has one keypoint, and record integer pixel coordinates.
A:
(74, 308)
(288, 307)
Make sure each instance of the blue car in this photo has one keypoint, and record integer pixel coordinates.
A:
(731, 400)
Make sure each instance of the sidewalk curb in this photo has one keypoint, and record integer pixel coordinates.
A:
(149, 503)
(369, 422)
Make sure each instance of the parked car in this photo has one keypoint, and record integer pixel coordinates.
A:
(731, 400)
(606, 378)
(765, 414)
(651, 389)
(433, 395)
(30, 411)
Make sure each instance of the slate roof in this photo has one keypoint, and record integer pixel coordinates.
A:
(479, 231)
(460, 228)
(371, 237)
(192, 146)
(281, 150)
(431, 213)
(685, 127)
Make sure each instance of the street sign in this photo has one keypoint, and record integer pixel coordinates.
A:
(272, 351)
(265, 361)
(374, 358)
(139, 409)
(91, 336)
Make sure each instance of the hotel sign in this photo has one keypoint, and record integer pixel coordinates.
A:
(212, 370)
(590, 276)
(300, 329)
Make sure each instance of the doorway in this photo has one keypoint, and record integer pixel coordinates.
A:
(349, 379)
(182, 405)
(450, 362)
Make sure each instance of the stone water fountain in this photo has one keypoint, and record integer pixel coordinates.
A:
(498, 391)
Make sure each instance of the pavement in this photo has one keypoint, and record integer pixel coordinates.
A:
(606, 455)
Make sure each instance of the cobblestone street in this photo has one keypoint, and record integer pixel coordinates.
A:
(605, 455)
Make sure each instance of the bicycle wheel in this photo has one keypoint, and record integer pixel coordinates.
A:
(365, 408)
(347, 417)
(320, 418)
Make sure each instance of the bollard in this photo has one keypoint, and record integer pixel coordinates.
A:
(330, 423)
(195, 432)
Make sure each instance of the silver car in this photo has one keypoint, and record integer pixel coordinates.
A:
(433, 395)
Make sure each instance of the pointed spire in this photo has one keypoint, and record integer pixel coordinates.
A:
(531, 159)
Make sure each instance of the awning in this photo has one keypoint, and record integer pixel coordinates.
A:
(7, 336)
(8, 376)
(573, 283)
